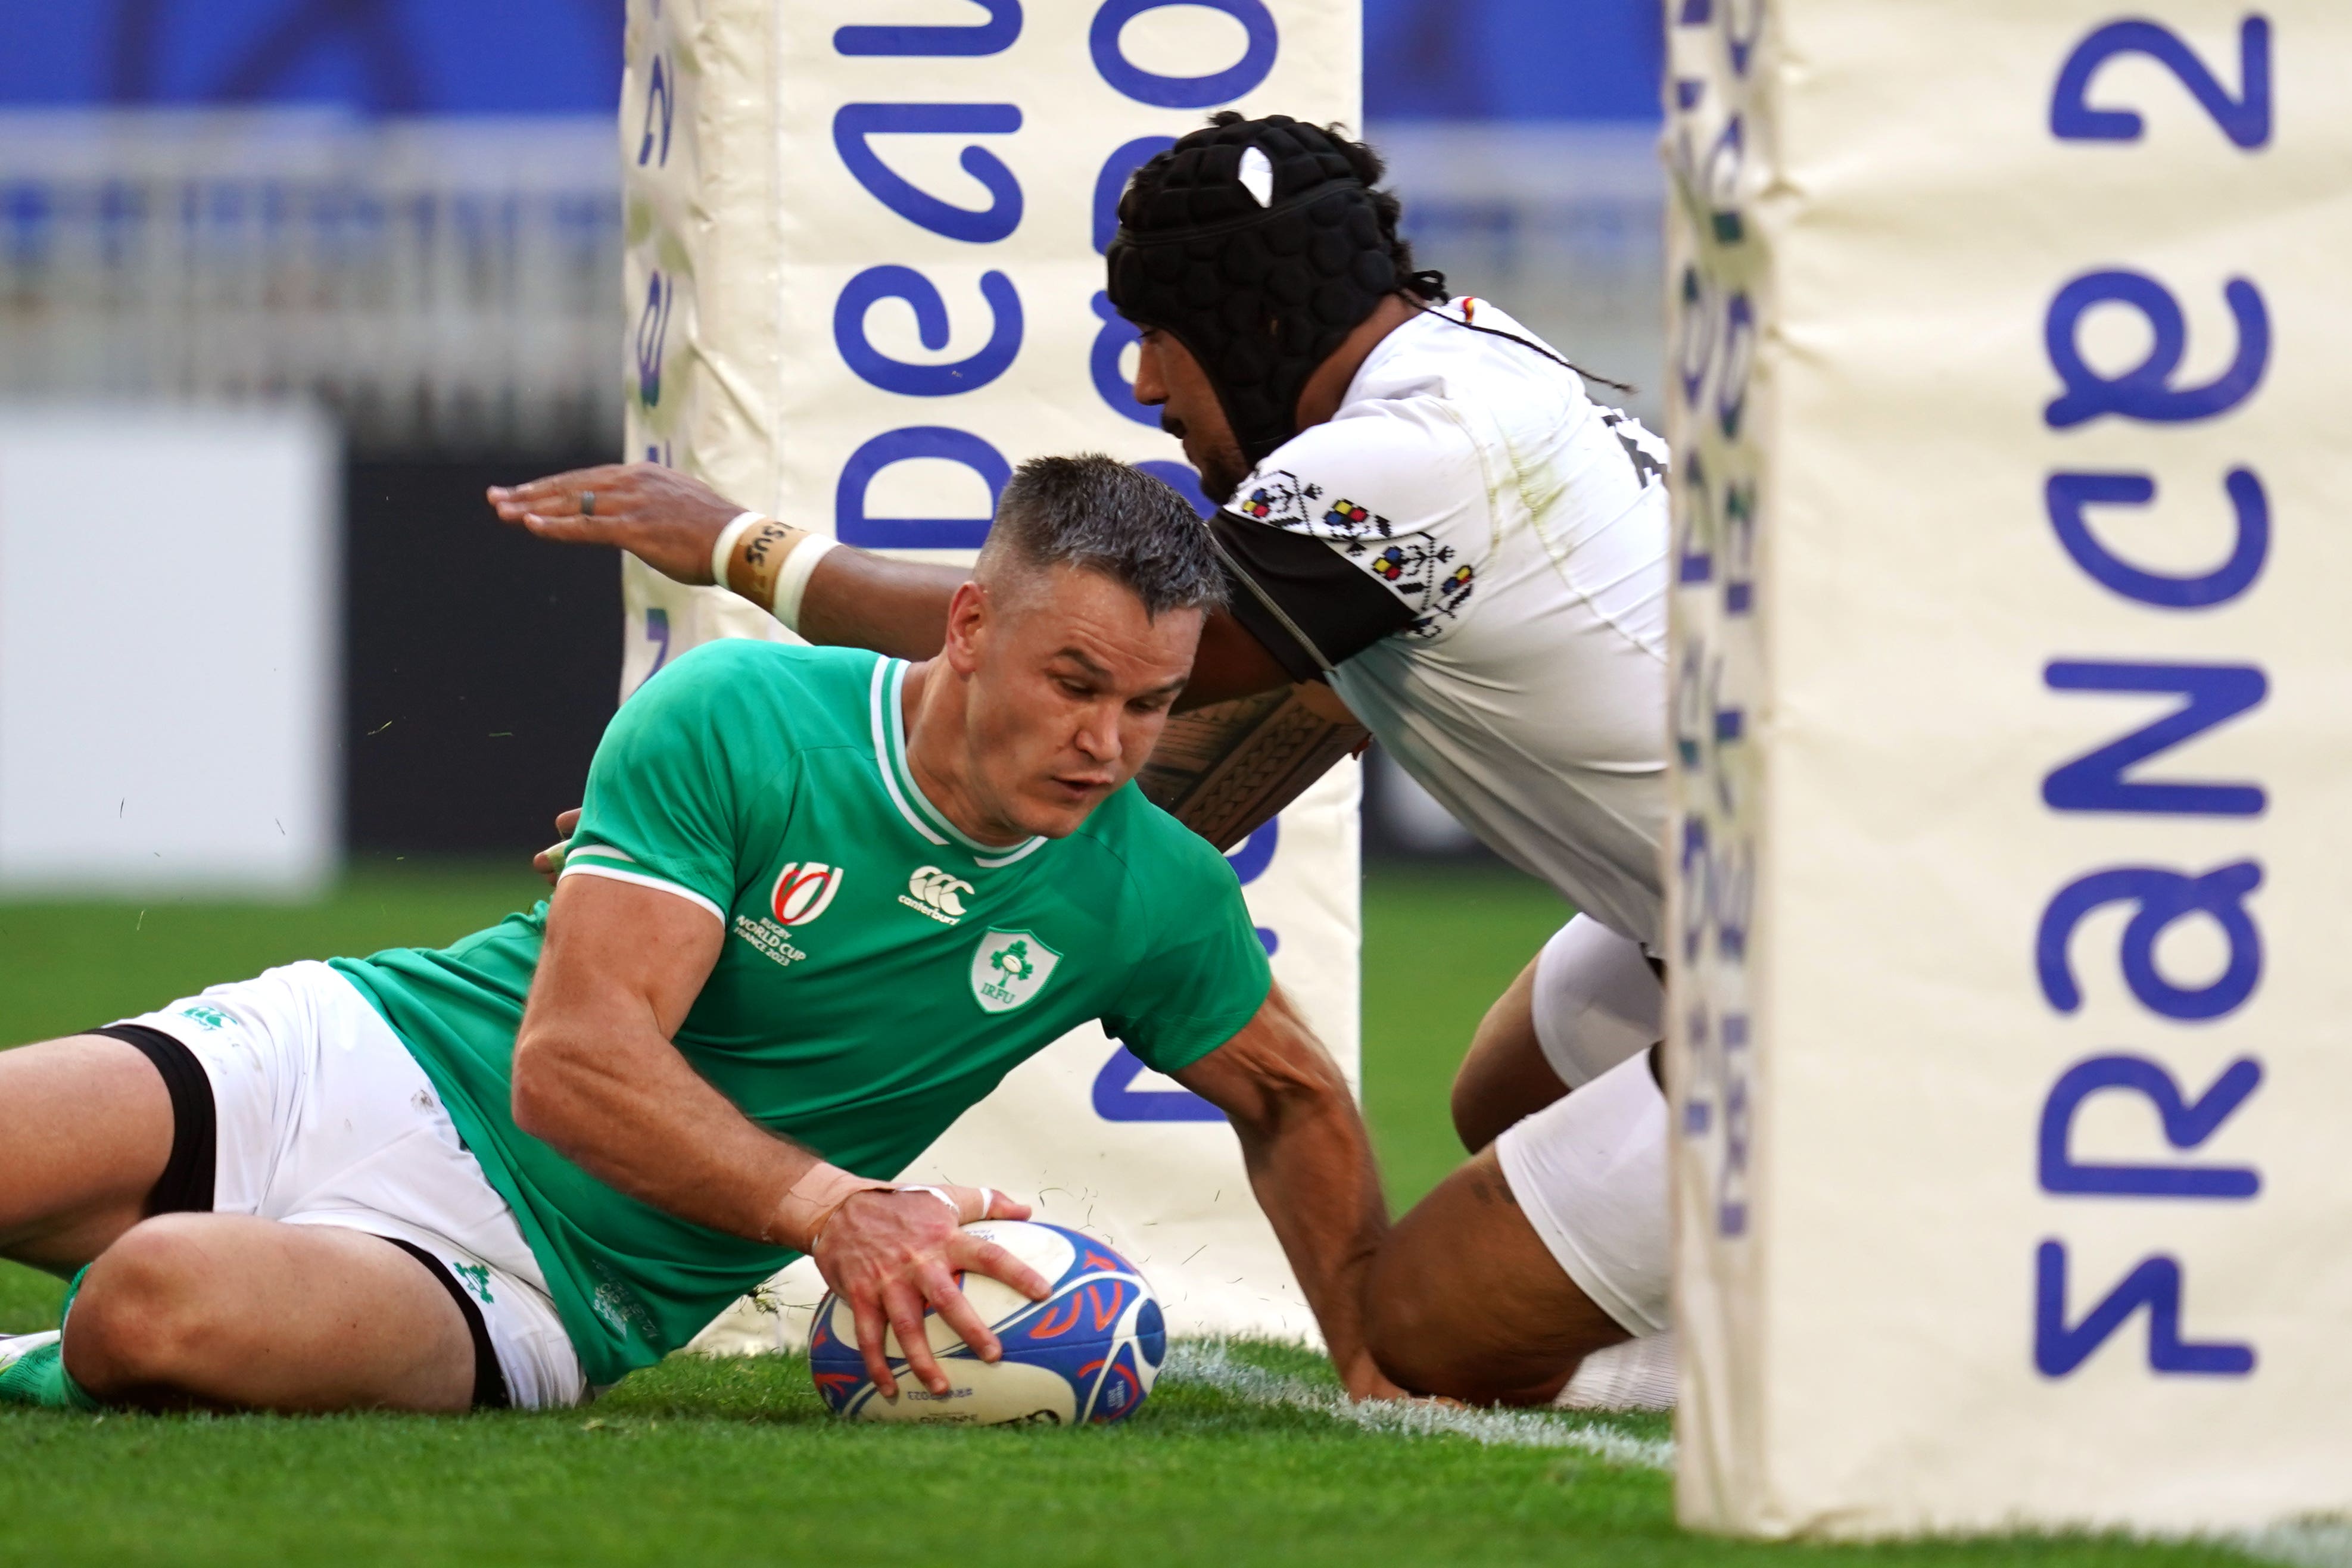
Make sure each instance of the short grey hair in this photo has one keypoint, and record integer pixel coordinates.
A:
(1101, 515)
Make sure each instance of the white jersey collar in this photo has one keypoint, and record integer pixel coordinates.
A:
(888, 713)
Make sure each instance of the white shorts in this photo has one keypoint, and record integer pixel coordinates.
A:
(1597, 1001)
(324, 1118)
(1590, 1173)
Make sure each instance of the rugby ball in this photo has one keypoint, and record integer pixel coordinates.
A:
(1088, 1353)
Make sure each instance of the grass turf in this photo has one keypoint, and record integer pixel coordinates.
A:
(698, 1461)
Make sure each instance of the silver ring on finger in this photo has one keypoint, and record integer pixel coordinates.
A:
(587, 502)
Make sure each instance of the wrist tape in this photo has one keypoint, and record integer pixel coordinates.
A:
(768, 562)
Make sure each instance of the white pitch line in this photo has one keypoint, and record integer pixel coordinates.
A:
(1211, 1363)
(2312, 1544)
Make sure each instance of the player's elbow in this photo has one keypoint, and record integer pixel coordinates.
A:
(545, 1094)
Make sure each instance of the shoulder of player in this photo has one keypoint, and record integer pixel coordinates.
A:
(807, 696)
(1408, 460)
(1152, 851)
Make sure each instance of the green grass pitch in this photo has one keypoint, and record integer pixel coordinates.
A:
(1240, 1459)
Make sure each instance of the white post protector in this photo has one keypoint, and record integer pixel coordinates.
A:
(866, 280)
(2013, 1034)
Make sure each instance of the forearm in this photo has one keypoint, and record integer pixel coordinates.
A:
(858, 599)
(617, 1100)
(1313, 1173)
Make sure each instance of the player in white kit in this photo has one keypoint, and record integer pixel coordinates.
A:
(1424, 513)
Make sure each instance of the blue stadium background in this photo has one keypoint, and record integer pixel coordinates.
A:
(1430, 59)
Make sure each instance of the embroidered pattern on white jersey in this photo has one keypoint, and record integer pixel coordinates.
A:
(1426, 576)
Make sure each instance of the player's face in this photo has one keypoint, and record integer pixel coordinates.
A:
(1071, 684)
(1168, 378)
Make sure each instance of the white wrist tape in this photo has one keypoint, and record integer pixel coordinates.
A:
(723, 549)
(791, 578)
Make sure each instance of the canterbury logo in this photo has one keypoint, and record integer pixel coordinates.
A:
(803, 891)
(936, 894)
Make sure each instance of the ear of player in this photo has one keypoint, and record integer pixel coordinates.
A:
(1087, 1355)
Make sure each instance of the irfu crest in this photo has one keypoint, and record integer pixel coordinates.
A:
(1009, 967)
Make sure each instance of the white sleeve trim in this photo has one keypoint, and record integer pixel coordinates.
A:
(608, 853)
(614, 874)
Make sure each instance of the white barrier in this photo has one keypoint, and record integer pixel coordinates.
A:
(864, 259)
(2010, 1042)
(171, 612)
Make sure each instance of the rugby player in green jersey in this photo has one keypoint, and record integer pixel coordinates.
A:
(819, 903)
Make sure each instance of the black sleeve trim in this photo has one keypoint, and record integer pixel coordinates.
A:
(1312, 608)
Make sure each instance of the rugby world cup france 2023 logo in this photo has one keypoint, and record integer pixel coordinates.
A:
(803, 888)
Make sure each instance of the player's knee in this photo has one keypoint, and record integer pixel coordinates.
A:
(144, 1312)
(1405, 1318)
(1477, 1120)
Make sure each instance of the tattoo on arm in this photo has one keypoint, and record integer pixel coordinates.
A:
(1223, 770)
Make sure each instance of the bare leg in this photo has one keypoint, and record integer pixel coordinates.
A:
(1505, 1076)
(227, 1310)
(1466, 1300)
(87, 1124)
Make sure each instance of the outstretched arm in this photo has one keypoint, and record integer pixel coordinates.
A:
(1311, 1163)
(672, 521)
(595, 1075)
(853, 599)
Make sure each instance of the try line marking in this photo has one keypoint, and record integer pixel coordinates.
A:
(1213, 1363)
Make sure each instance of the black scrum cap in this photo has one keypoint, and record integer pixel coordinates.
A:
(1254, 244)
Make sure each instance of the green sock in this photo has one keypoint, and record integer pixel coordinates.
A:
(39, 1378)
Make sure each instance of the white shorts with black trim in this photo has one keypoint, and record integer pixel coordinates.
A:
(1590, 1173)
(322, 1117)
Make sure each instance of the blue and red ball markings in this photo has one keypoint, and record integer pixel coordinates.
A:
(1098, 1327)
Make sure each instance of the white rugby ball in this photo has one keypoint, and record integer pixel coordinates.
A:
(1088, 1353)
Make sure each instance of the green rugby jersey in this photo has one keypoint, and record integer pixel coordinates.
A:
(880, 973)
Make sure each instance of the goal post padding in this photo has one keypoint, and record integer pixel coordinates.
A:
(2010, 1044)
(864, 277)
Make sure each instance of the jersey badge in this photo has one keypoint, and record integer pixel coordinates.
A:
(803, 890)
(1009, 967)
(933, 892)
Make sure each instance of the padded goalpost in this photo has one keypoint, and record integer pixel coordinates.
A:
(2011, 1048)
(864, 276)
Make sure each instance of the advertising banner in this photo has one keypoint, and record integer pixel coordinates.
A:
(2012, 1030)
(866, 280)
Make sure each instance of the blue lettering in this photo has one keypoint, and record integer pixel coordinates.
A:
(657, 634)
(2058, 1350)
(1739, 353)
(1694, 345)
(877, 283)
(1694, 555)
(993, 36)
(2070, 493)
(2185, 1126)
(851, 526)
(2163, 897)
(2095, 781)
(1739, 549)
(1117, 1100)
(2244, 120)
(1183, 92)
(1731, 1185)
(658, 115)
(855, 122)
(653, 333)
(2146, 393)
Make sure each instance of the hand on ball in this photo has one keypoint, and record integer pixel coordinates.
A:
(891, 1255)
